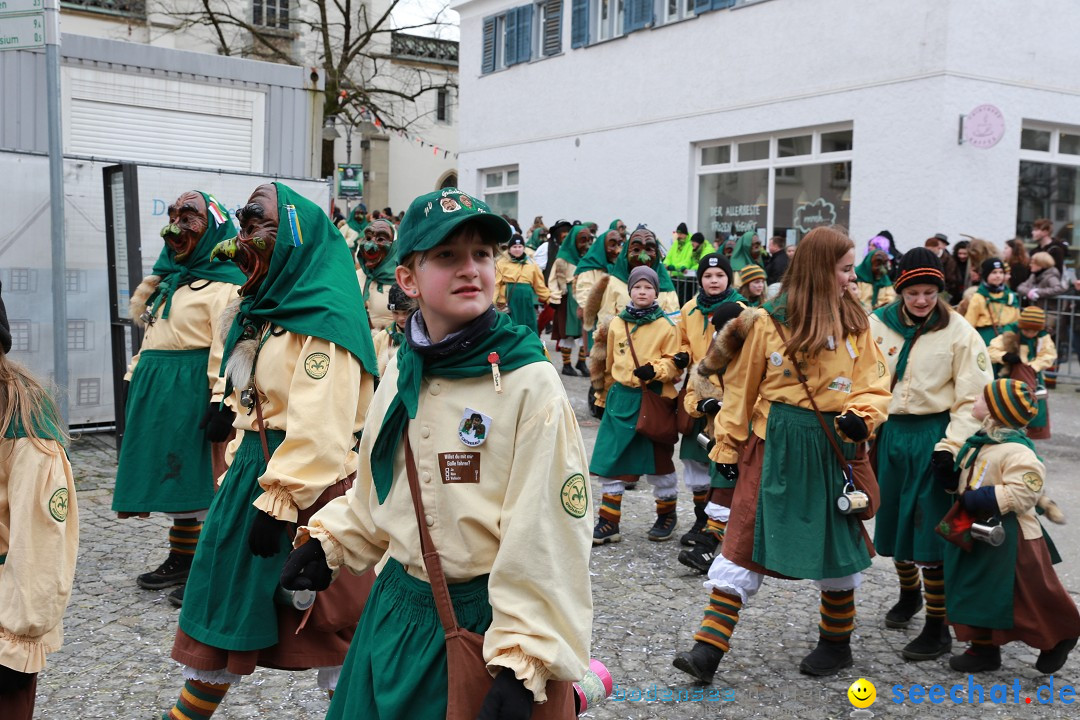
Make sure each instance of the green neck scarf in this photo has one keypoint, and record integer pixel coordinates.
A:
(970, 451)
(893, 316)
(310, 287)
(397, 335)
(777, 307)
(741, 256)
(536, 239)
(1032, 343)
(46, 422)
(357, 225)
(595, 258)
(1005, 297)
(519, 260)
(568, 250)
(706, 305)
(516, 346)
(197, 265)
(382, 274)
(621, 269)
(642, 316)
(864, 272)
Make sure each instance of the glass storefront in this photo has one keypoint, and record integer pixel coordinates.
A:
(1049, 180)
(732, 203)
(811, 196)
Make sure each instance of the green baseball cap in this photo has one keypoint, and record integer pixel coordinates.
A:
(432, 218)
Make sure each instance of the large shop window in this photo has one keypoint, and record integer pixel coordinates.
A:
(500, 190)
(782, 184)
(1049, 180)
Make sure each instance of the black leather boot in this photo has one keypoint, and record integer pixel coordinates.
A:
(701, 662)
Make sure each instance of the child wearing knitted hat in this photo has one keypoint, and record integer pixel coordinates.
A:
(752, 278)
(994, 305)
(1000, 480)
(1024, 351)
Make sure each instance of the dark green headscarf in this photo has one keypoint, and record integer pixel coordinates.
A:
(536, 239)
(741, 255)
(595, 258)
(864, 272)
(568, 250)
(173, 274)
(516, 345)
(356, 224)
(621, 268)
(383, 273)
(310, 287)
(893, 316)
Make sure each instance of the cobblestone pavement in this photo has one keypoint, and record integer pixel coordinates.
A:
(115, 661)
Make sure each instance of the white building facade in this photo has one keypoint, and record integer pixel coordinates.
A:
(954, 116)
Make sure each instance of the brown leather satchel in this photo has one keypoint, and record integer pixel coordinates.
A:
(656, 419)
(468, 679)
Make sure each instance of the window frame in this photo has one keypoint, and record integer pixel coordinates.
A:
(20, 279)
(20, 330)
(261, 5)
(503, 171)
(75, 325)
(88, 385)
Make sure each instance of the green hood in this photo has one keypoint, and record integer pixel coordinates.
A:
(568, 250)
(865, 273)
(741, 256)
(310, 287)
(536, 239)
(595, 258)
(198, 265)
(621, 269)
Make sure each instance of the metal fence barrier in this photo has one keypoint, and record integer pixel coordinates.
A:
(1063, 319)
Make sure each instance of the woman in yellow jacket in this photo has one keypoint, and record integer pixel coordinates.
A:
(519, 285)
(785, 521)
(621, 455)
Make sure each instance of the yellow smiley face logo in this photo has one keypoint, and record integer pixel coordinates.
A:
(862, 693)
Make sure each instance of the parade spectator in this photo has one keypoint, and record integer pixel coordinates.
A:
(778, 260)
(1043, 283)
(566, 330)
(506, 515)
(519, 285)
(1007, 593)
(39, 519)
(954, 274)
(1015, 256)
(1042, 233)
(929, 419)
(1025, 351)
(700, 250)
(679, 257)
(641, 353)
(807, 352)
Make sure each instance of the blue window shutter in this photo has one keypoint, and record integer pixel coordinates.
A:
(579, 23)
(721, 4)
(487, 62)
(524, 34)
(639, 14)
(702, 6)
(551, 42)
(510, 46)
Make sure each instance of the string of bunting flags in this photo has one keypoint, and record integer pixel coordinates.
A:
(372, 117)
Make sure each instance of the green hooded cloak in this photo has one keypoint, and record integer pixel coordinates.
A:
(595, 258)
(621, 269)
(741, 256)
(864, 272)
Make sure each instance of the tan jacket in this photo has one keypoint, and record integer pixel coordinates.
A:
(1045, 351)
(379, 315)
(866, 295)
(655, 344)
(583, 285)
(351, 236)
(981, 314)
(317, 394)
(193, 323)
(508, 272)
(527, 521)
(1017, 477)
(947, 370)
(617, 297)
(562, 274)
(851, 378)
(39, 539)
(385, 349)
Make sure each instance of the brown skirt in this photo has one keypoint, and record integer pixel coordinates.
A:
(738, 545)
(1043, 612)
(558, 327)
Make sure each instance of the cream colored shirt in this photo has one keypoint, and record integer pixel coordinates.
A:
(583, 285)
(946, 371)
(562, 274)
(982, 314)
(379, 316)
(1017, 477)
(866, 296)
(39, 538)
(194, 323)
(525, 517)
(508, 272)
(385, 349)
(654, 344)
(617, 297)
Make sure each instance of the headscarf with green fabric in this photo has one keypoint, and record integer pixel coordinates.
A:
(310, 286)
(356, 224)
(173, 274)
(568, 250)
(621, 268)
(383, 273)
(742, 255)
(595, 258)
(864, 272)
(536, 239)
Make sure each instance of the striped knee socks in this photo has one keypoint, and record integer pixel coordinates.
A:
(934, 591)
(184, 535)
(909, 576)
(721, 615)
(611, 508)
(566, 354)
(837, 615)
(198, 700)
(665, 506)
(717, 528)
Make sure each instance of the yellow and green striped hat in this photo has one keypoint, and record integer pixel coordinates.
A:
(1033, 318)
(750, 273)
(1011, 402)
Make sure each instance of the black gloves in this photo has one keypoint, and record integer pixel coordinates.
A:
(708, 406)
(1011, 358)
(508, 699)
(853, 426)
(981, 503)
(597, 411)
(264, 539)
(645, 372)
(306, 568)
(13, 680)
(941, 465)
(729, 471)
(681, 360)
(217, 421)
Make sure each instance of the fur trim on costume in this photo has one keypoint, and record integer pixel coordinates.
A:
(1011, 342)
(594, 301)
(140, 297)
(1051, 510)
(227, 317)
(727, 343)
(241, 362)
(703, 386)
(598, 358)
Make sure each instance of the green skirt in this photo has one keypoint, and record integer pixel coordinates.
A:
(1043, 418)
(521, 302)
(573, 322)
(619, 450)
(164, 463)
(718, 480)
(912, 503)
(396, 666)
(229, 600)
(690, 448)
(799, 532)
(979, 584)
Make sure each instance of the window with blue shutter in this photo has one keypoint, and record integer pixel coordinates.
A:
(639, 14)
(579, 23)
(487, 62)
(551, 38)
(721, 4)
(510, 44)
(524, 33)
(702, 6)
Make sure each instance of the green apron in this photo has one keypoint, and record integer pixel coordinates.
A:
(229, 600)
(979, 584)
(799, 532)
(690, 448)
(164, 463)
(912, 502)
(619, 449)
(521, 302)
(396, 666)
(718, 480)
(1043, 418)
(573, 322)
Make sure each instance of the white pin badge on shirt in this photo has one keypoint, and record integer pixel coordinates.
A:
(474, 427)
(776, 359)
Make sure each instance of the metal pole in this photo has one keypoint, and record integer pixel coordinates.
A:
(56, 205)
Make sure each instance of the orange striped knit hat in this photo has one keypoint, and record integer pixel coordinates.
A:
(919, 266)
(1011, 402)
(1033, 318)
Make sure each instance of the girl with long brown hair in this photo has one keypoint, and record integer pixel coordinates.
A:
(812, 385)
